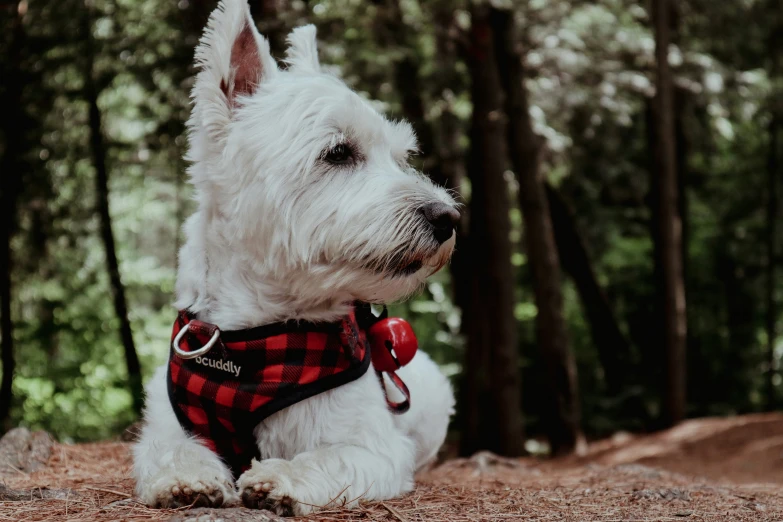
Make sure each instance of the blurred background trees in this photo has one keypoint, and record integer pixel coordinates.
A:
(596, 206)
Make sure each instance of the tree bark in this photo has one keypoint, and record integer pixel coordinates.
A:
(562, 414)
(614, 349)
(773, 173)
(8, 215)
(492, 351)
(681, 151)
(771, 240)
(11, 170)
(98, 150)
(669, 224)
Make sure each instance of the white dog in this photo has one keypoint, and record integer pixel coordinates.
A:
(306, 204)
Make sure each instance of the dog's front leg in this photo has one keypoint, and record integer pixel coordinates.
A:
(171, 468)
(330, 477)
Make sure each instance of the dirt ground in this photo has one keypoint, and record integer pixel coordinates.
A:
(705, 469)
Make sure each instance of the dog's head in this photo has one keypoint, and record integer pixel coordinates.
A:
(303, 178)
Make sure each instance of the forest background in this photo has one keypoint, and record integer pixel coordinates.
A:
(617, 265)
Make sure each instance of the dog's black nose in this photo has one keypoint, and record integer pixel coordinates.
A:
(443, 218)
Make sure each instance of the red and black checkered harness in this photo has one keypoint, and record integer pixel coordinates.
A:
(248, 375)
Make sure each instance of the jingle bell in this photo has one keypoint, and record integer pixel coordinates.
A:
(393, 344)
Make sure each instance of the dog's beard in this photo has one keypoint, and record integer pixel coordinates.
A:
(406, 262)
(407, 277)
(401, 263)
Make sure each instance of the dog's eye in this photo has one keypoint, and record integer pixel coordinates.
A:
(340, 154)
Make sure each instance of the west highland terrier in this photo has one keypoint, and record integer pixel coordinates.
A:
(307, 210)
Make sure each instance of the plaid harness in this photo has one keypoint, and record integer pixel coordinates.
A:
(242, 377)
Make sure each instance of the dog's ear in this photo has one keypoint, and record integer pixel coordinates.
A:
(233, 57)
(302, 50)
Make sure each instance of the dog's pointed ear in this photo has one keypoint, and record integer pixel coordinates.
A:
(233, 57)
(302, 50)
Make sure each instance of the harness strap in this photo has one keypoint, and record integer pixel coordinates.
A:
(222, 384)
(396, 407)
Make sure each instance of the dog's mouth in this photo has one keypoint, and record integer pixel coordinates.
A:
(400, 264)
(404, 264)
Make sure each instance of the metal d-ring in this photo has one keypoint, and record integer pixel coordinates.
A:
(195, 353)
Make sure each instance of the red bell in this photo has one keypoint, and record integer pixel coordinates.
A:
(393, 344)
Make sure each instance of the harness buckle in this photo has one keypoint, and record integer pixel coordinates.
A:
(195, 353)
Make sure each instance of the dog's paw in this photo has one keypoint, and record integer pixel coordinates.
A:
(171, 491)
(260, 496)
(266, 485)
(199, 495)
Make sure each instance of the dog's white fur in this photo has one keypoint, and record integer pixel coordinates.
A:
(279, 234)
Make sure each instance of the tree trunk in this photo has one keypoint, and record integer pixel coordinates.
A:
(8, 216)
(98, 150)
(11, 174)
(773, 172)
(562, 415)
(614, 350)
(681, 151)
(771, 240)
(492, 353)
(669, 224)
